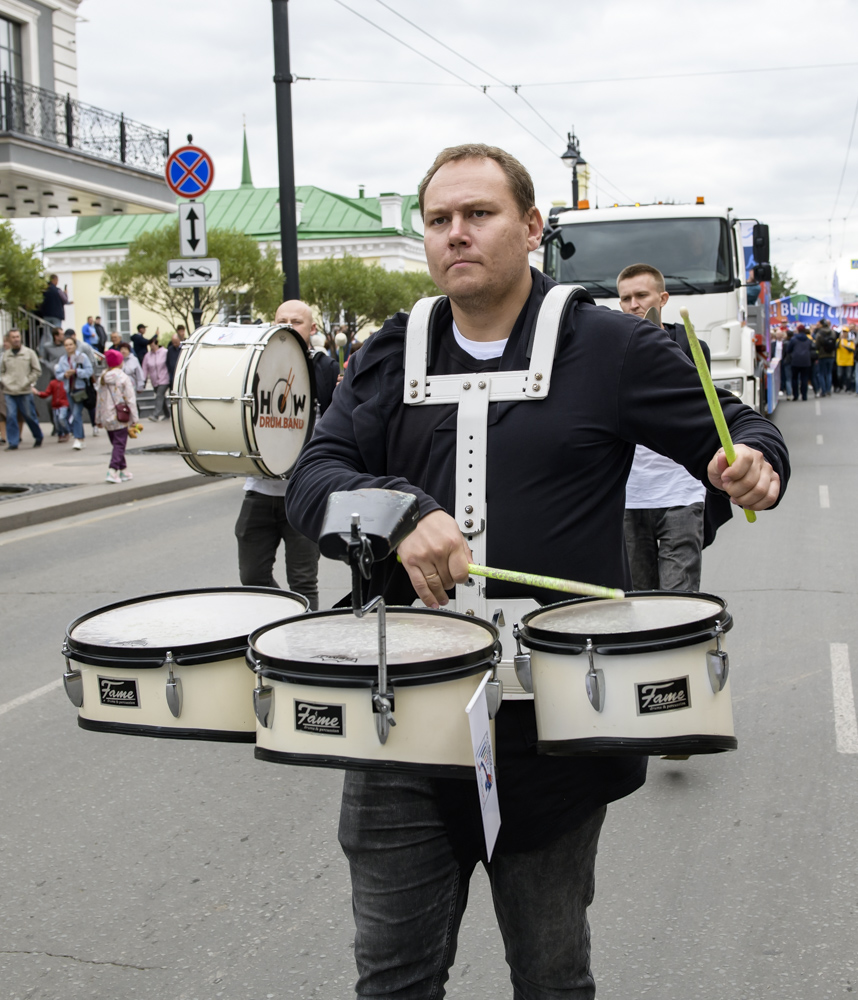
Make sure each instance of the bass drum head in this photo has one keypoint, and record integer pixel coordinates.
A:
(284, 401)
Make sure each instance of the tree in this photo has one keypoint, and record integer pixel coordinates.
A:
(22, 276)
(244, 268)
(782, 283)
(360, 293)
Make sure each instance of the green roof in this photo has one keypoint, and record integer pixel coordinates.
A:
(254, 211)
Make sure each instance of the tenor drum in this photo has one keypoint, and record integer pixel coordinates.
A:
(243, 401)
(316, 676)
(643, 675)
(171, 665)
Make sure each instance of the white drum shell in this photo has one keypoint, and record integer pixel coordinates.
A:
(564, 712)
(227, 374)
(431, 732)
(217, 699)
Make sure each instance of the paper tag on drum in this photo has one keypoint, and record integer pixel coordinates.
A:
(484, 763)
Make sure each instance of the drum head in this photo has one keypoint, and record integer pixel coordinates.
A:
(284, 400)
(337, 647)
(635, 618)
(192, 623)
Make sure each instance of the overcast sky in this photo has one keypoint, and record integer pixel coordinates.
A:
(656, 92)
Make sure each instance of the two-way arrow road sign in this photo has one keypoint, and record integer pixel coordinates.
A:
(192, 229)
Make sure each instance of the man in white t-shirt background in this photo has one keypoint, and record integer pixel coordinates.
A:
(262, 524)
(664, 503)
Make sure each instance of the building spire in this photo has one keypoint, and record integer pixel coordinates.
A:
(246, 179)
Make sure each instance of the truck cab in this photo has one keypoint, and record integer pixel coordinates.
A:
(701, 253)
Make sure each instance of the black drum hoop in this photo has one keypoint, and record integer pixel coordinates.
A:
(621, 643)
(321, 674)
(184, 654)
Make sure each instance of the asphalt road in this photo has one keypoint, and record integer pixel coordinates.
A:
(154, 869)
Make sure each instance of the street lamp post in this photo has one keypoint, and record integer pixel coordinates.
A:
(573, 158)
(285, 156)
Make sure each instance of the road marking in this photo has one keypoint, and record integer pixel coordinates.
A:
(824, 499)
(63, 524)
(818, 409)
(845, 724)
(819, 439)
(16, 702)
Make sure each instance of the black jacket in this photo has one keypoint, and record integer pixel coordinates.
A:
(798, 350)
(53, 304)
(556, 478)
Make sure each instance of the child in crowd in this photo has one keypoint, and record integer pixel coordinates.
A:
(59, 407)
(115, 410)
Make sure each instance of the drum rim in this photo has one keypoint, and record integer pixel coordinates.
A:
(414, 673)
(189, 653)
(642, 641)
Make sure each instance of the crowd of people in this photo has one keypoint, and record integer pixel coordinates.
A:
(96, 373)
(820, 357)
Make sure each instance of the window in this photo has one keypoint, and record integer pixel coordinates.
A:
(10, 49)
(116, 316)
(236, 307)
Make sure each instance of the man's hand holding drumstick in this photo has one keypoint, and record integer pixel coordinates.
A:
(750, 481)
(436, 557)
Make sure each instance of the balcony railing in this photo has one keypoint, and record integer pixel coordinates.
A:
(64, 122)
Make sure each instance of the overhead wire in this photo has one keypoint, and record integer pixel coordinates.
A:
(480, 88)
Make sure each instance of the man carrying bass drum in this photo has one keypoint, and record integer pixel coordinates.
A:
(262, 523)
(557, 459)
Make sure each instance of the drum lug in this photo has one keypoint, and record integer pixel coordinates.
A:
(263, 703)
(174, 688)
(595, 681)
(72, 681)
(494, 686)
(718, 663)
(521, 663)
(382, 707)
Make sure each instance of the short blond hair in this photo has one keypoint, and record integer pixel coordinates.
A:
(520, 181)
(633, 270)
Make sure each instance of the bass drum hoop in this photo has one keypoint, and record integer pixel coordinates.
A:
(623, 643)
(405, 674)
(210, 651)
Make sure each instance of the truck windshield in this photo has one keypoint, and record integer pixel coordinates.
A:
(692, 254)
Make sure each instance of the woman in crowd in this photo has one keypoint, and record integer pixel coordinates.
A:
(74, 370)
(115, 409)
(131, 366)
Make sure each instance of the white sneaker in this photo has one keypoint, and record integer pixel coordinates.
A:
(113, 476)
(95, 432)
(124, 475)
(78, 444)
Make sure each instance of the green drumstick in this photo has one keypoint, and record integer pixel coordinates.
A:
(712, 398)
(547, 582)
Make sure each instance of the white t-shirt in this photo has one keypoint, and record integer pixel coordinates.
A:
(479, 349)
(656, 481)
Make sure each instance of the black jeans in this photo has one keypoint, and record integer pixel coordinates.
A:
(260, 528)
(665, 546)
(409, 894)
(799, 375)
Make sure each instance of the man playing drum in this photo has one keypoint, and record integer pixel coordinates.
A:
(555, 464)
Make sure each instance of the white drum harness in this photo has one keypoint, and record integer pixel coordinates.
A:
(472, 393)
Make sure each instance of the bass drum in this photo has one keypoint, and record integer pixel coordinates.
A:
(244, 400)
(171, 665)
(644, 675)
(314, 695)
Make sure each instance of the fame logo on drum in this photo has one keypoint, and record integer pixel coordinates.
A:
(118, 691)
(663, 696)
(325, 720)
(281, 407)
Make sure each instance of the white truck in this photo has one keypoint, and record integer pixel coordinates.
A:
(701, 252)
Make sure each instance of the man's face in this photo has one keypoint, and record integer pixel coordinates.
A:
(299, 316)
(115, 338)
(639, 294)
(15, 340)
(89, 319)
(58, 336)
(476, 238)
